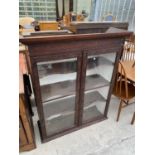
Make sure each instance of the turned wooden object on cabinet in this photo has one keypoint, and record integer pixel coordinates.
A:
(26, 132)
(73, 77)
(95, 27)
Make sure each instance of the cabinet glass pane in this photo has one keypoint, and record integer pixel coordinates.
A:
(58, 90)
(98, 77)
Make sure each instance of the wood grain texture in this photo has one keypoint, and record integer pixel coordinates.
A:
(72, 46)
(129, 70)
(123, 89)
(95, 27)
(72, 37)
(26, 133)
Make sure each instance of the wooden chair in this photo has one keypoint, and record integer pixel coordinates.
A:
(123, 89)
(129, 50)
(133, 119)
(109, 17)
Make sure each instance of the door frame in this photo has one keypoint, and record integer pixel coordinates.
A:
(85, 55)
(37, 91)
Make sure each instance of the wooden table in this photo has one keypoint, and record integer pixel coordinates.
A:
(129, 69)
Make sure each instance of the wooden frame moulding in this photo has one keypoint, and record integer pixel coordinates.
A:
(45, 48)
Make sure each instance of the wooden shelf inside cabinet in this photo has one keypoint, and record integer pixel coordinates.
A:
(73, 76)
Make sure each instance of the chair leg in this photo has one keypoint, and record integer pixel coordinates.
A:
(133, 119)
(119, 110)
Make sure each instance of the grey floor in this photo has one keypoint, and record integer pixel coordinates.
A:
(105, 138)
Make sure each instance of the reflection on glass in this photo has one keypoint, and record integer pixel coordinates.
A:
(58, 87)
(98, 77)
(57, 78)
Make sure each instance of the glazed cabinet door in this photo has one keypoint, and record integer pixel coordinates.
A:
(98, 71)
(58, 83)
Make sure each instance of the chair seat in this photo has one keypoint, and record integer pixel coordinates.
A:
(122, 94)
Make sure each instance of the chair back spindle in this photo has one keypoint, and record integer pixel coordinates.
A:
(129, 51)
(121, 81)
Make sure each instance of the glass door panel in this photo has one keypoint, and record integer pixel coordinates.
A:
(58, 91)
(97, 83)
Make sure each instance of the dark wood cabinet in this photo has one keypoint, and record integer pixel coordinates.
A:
(94, 27)
(73, 76)
(26, 131)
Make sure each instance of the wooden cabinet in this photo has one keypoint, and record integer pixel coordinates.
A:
(97, 77)
(95, 27)
(22, 135)
(26, 132)
(48, 25)
(73, 77)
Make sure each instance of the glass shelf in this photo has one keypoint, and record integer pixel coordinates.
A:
(103, 91)
(100, 67)
(67, 88)
(54, 69)
(110, 57)
(58, 90)
(103, 69)
(65, 106)
(59, 124)
(59, 113)
(57, 80)
(50, 73)
(95, 81)
(91, 113)
(59, 106)
(94, 104)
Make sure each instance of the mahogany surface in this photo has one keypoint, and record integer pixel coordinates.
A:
(95, 27)
(26, 131)
(80, 46)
